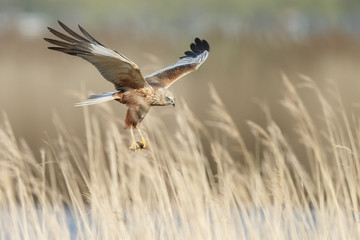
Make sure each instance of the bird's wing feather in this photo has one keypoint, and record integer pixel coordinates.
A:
(113, 66)
(186, 64)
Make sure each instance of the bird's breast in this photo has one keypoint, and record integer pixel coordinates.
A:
(137, 97)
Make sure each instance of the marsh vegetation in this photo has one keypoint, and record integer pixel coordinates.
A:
(95, 188)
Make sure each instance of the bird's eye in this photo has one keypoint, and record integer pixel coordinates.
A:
(167, 98)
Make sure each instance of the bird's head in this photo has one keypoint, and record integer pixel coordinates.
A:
(166, 97)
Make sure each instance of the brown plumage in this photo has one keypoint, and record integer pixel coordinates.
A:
(137, 92)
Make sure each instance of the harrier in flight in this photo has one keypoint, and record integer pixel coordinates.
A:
(137, 92)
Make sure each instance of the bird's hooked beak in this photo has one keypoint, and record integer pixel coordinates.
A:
(173, 103)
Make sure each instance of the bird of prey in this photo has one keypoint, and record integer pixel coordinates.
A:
(137, 92)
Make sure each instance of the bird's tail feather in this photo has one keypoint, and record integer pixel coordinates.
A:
(97, 98)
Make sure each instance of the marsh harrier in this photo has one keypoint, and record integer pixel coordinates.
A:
(137, 92)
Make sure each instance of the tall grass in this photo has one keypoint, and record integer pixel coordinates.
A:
(200, 183)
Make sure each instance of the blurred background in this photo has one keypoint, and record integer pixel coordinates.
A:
(252, 44)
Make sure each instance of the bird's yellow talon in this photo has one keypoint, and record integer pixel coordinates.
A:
(135, 146)
(143, 144)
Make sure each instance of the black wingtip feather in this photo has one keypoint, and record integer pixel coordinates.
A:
(202, 44)
(91, 38)
(58, 43)
(190, 54)
(70, 51)
(71, 32)
(198, 41)
(73, 44)
(64, 50)
(205, 45)
(195, 48)
(61, 35)
(199, 46)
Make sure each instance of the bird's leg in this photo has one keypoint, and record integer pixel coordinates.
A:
(143, 142)
(134, 146)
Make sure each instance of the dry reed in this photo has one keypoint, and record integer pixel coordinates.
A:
(178, 189)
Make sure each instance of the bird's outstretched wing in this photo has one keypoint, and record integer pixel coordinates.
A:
(113, 66)
(187, 64)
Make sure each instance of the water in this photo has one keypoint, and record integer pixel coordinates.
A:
(63, 223)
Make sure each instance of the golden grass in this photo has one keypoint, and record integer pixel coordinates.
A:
(176, 189)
